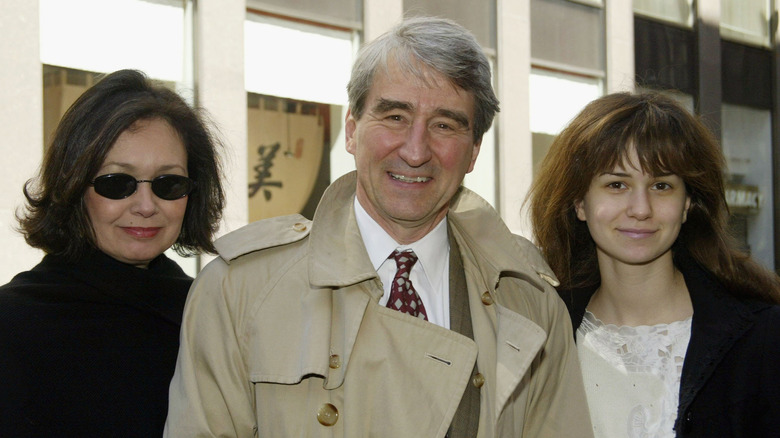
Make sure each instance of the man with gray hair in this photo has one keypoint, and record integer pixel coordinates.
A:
(406, 308)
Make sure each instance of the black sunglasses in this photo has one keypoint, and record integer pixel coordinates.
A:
(122, 185)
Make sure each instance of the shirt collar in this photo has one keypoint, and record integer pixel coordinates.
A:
(379, 244)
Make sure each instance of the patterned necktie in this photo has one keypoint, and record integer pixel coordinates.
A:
(403, 297)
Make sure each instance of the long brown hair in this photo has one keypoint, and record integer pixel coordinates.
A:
(667, 139)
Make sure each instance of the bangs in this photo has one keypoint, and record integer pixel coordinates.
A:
(660, 142)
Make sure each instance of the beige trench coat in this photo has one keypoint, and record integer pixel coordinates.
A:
(283, 337)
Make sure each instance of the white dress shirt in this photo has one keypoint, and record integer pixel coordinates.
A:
(430, 276)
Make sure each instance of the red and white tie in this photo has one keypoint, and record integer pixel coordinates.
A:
(403, 297)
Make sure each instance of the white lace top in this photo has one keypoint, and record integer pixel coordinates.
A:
(632, 376)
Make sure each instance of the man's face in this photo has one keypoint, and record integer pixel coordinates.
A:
(413, 145)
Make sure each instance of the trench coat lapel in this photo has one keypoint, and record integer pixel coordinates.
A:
(508, 343)
(519, 341)
(341, 266)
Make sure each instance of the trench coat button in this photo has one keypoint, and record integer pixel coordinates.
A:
(299, 227)
(551, 280)
(478, 380)
(487, 299)
(335, 361)
(328, 415)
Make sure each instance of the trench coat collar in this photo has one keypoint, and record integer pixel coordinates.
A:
(339, 256)
(483, 231)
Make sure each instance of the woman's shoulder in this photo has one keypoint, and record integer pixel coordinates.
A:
(30, 297)
(43, 275)
(768, 315)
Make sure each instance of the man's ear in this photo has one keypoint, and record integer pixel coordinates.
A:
(579, 207)
(350, 124)
(474, 154)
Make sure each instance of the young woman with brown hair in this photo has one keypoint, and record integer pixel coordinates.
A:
(677, 329)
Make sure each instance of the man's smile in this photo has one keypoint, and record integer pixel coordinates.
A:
(407, 179)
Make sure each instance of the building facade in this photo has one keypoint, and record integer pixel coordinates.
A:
(272, 76)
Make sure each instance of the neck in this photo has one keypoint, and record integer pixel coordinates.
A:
(407, 235)
(634, 295)
(405, 232)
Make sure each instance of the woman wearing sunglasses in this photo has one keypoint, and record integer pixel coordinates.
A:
(677, 329)
(88, 337)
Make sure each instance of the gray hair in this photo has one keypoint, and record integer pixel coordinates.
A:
(435, 43)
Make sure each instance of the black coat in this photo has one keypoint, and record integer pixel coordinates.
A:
(730, 384)
(88, 349)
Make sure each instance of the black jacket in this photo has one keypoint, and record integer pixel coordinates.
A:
(88, 349)
(730, 384)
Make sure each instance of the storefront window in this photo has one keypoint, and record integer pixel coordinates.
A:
(341, 13)
(568, 36)
(555, 98)
(569, 62)
(295, 60)
(102, 36)
(746, 21)
(297, 102)
(679, 12)
(746, 144)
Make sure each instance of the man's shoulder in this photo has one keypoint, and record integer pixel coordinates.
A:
(536, 260)
(263, 234)
(476, 218)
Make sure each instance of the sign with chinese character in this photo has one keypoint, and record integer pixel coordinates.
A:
(285, 151)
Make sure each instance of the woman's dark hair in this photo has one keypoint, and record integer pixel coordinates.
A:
(667, 139)
(55, 217)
